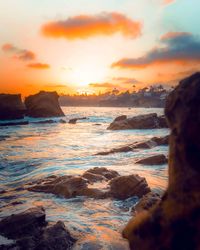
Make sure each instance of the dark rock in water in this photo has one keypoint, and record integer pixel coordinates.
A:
(174, 223)
(106, 173)
(93, 177)
(74, 120)
(154, 142)
(153, 160)
(146, 202)
(43, 104)
(123, 187)
(45, 122)
(149, 121)
(11, 107)
(29, 230)
(6, 124)
(120, 118)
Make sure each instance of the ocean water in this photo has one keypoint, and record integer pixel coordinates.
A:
(36, 151)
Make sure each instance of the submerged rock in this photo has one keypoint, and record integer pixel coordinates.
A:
(43, 104)
(174, 223)
(11, 107)
(153, 160)
(154, 142)
(8, 124)
(74, 120)
(123, 187)
(30, 230)
(149, 121)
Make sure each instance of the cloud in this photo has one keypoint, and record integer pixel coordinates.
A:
(168, 1)
(85, 26)
(39, 66)
(102, 85)
(175, 47)
(56, 86)
(126, 80)
(20, 54)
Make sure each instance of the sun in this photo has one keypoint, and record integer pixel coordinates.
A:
(84, 74)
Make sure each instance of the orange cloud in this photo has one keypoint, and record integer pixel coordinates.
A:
(102, 85)
(168, 1)
(39, 66)
(20, 54)
(172, 35)
(85, 26)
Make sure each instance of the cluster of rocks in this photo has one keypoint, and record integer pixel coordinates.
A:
(44, 104)
(174, 222)
(119, 187)
(30, 230)
(148, 121)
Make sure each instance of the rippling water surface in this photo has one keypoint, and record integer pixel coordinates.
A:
(38, 150)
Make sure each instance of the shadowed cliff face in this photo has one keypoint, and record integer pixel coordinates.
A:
(175, 222)
(43, 104)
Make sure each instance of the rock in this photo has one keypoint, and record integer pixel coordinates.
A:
(153, 160)
(29, 230)
(11, 107)
(149, 121)
(74, 120)
(146, 202)
(104, 172)
(123, 187)
(43, 104)
(93, 177)
(154, 142)
(174, 223)
(120, 118)
(45, 122)
(8, 124)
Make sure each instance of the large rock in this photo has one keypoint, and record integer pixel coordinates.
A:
(11, 107)
(175, 222)
(30, 230)
(43, 104)
(153, 142)
(149, 121)
(153, 160)
(123, 187)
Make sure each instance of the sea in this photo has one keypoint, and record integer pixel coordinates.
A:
(35, 151)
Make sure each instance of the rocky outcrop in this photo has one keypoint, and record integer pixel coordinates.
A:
(175, 222)
(11, 107)
(153, 160)
(30, 230)
(74, 120)
(123, 187)
(154, 142)
(149, 121)
(43, 104)
(71, 186)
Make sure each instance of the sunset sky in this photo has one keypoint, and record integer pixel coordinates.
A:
(96, 45)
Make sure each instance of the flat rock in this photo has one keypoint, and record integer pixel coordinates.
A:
(11, 107)
(149, 121)
(74, 120)
(174, 222)
(123, 187)
(104, 172)
(43, 104)
(8, 124)
(153, 160)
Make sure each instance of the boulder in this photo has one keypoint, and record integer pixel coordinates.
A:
(149, 121)
(123, 187)
(74, 120)
(104, 172)
(43, 104)
(30, 230)
(120, 118)
(11, 107)
(153, 160)
(154, 142)
(174, 223)
(146, 202)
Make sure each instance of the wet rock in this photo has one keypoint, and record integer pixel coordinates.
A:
(74, 120)
(93, 177)
(154, 142)
(11, 107)
(153, 160)
(104, 172)
(43, 104)
(123, 187)
(146, 202)
(29, 230)
(149, 121)
(120, 118)
(174, 223)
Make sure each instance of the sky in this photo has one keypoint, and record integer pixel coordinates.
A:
(92, 46)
